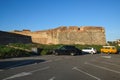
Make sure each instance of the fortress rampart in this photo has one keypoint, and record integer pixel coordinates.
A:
(84, 35)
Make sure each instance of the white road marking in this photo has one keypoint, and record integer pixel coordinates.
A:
(18, 75)
(53, 78)
(75, 68)
(105, 62)
(32, 64)
(25, 73)
(103, 68)
(111, 64)
(46, 62)
(1, 70)
(17, 65)
(41, 69)
(106, 56)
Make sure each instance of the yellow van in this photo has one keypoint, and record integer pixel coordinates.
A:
(109, 49)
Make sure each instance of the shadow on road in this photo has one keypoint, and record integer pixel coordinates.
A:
(18, 63)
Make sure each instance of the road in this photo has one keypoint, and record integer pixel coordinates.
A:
(50, 67)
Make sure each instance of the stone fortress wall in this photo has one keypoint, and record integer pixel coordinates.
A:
(84, 35)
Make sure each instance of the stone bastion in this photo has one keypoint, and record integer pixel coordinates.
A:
(84, 35)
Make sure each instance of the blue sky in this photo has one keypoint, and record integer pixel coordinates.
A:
(46, 14)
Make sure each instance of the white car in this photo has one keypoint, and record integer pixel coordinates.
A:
(89, 50)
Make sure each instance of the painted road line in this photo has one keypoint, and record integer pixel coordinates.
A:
(110, 64)
(1, 70)
(31, 64)
(41, 69)
(18, 75)
(25, 73)
(105, 62)
(106, 57)
(75, 68)
(19, 65)
(23, 66)
(102, 67)
(46, 62)
(52, 78)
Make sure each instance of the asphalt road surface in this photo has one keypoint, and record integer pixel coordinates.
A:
(50, 67)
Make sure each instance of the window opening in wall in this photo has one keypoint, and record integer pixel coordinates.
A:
(78, 28)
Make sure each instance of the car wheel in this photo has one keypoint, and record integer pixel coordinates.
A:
(72, 54)
(56, 53)
(92, 52)
(101, 52)
(119, 52)
(108, 52)
(82, 52)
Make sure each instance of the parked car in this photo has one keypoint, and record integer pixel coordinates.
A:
(67, 50)
(118, 51)
(109, 49)
(90, 50)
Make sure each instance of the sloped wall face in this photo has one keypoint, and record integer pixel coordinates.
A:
(83, 38)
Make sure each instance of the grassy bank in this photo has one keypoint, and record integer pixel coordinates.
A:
(8, 52)
(19, 50)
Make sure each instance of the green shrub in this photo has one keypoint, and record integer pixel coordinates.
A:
(8, 52)
(21, 45)
(44, 52)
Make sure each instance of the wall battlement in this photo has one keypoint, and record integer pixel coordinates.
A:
(90, 35)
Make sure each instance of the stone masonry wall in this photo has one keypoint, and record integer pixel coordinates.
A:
(8, 37)
(90, 35)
